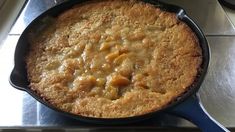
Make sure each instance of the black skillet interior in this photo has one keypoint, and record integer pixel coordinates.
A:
(19, 80)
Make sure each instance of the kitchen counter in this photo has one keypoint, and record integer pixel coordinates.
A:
(20, 110)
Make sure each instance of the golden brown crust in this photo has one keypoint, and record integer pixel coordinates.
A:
(113, 59)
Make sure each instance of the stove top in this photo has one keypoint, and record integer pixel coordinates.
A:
(20, 110)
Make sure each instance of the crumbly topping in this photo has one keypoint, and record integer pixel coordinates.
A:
(112, 59)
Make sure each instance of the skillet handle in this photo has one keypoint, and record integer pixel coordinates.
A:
(17, 80)
(193, 110)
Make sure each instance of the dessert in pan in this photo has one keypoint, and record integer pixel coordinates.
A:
(112, 59)
(115, 62)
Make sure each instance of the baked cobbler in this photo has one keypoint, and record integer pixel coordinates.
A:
(113, 59)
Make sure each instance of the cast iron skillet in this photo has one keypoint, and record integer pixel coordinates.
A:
(187, 105)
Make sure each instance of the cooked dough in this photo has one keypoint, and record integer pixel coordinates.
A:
(113, 59)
